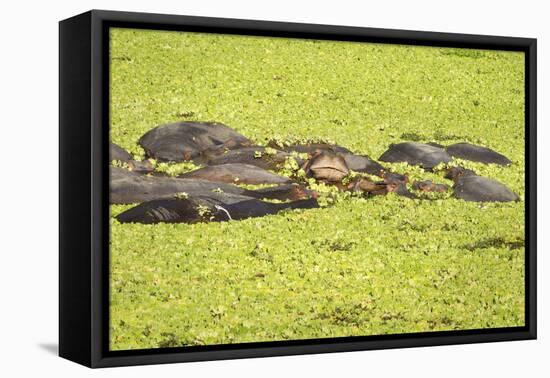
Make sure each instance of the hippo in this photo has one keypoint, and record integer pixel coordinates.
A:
(214, 207)
(285, 192)
(259, 156)
(401, 189)
(435, 144)
(367, 186)
(471, 187)
(118, 153)
(326, 166)
(479, 154)
(358, 163)
(183, 141)
(380, 187)
(425, 155)
(363, 164)
(128, 187)
(236, 174)
(310, 148)
(392, 177)
(429, 186)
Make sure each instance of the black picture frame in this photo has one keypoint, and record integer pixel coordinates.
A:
(83, 180)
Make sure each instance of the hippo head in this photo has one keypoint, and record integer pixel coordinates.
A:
(144, 166)
(456, 173)
(327, 166)
(391, 177)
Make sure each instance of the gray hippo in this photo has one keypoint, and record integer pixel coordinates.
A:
(310, 148)
(118, 153)
(471, 187)
(479, 154)
(183, 141)
(425, 155)
(363, 164)
(236, 173)
(128, 187)
(266, 158)
(214, 207)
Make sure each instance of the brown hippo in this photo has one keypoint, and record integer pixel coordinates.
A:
(326, 166)
(471, 187)
(214, 207)
(236, 173)
(183, 141)
(380, 187)
(367, 186)
(429, 186)
(358, 163)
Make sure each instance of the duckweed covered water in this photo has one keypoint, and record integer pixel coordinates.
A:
(381, 265)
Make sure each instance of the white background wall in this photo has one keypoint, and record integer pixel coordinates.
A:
(29, 215)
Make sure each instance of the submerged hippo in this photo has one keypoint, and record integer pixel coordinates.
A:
(425, 155)
(128, 187)
(471, 187)
(479, 154)
(184, 141)
(380, 187)
(363, 164)
(270, 159)
(120, 154)
(215, 207)
(310, 148)
(236, 174)
(429, 186)
(367, 186)
(326, 166)
(290, 192)
(358, 163)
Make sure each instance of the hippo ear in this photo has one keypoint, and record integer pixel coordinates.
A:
(305, 166)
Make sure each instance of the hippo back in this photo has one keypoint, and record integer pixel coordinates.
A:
(479, 154)
(185, 140)
(483, 189)
(414, 153)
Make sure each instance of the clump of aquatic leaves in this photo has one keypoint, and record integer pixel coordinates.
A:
(204, 211)
(270, 151)
(255, 186)
(176, 169)
(292, 169)
(120, 164)
(181, 195)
